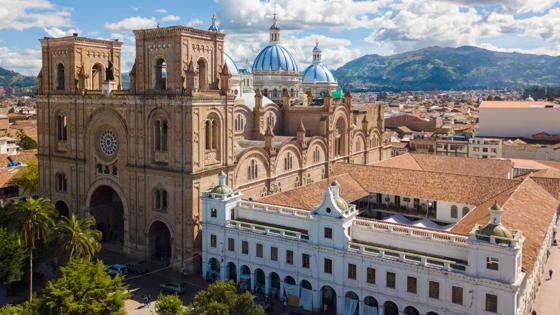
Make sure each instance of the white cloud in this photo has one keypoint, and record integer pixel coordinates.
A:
(57, 32)
(170, 18)
(161, 11)
(195, 23)
(131, 23)
(25, 14)
(25, 61)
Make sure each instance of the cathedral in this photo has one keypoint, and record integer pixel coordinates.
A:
(138, 159)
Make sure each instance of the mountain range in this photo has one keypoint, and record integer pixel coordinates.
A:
(432, 68)
(441, 68)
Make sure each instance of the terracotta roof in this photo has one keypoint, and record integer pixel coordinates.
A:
(310, 196)
(528, 208)
(450, 164)
(471, 190)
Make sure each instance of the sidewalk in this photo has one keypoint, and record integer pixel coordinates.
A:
(547, 301)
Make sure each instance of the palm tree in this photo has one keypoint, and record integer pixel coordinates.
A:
(77, 238)
(33, 220)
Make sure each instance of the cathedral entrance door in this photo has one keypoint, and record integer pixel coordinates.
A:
(107, 209)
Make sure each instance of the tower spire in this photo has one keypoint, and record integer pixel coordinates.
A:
(316, 53)
(274, 29)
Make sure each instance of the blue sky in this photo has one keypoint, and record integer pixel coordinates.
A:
(346, 29)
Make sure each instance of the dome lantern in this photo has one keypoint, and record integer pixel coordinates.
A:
(274, 30)
(214, 25)
(316, 53)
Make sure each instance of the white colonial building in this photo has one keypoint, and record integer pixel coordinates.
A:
(312, 247)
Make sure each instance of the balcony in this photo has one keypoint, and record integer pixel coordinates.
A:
(268, 230)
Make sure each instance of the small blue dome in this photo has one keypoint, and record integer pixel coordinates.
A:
(275, 58)
(317, 73)
(230, 64)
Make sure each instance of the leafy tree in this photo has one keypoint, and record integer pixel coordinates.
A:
(28, 179)
(77, 238)
(25, 142)
(12, 258)
(221, 298)
(33, 220)
(170, 305)
(84, 288)
(19, 309)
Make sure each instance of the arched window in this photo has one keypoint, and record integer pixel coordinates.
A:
(253, 170)
(61, 127)
(275, 93)
(161, 74)
(61, 182)
(97, 77)
(202, 74)
(316, 155)
(292, 92)
(211, 133)
(270, 122)
(60, 77)
(454, 211)
(340, 138)
(160, 136)
(288, 160)
(239, 122)
(160, 199)
(265, 92)
(465, 211)
(358, 146)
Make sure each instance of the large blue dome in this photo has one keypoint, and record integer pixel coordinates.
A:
(275, 58)
(317, 73)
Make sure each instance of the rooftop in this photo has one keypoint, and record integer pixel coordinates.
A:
(518, 104)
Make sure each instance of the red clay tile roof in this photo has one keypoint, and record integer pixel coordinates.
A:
(528, 208)
(310, 196)
(450, 164)
(471, 190)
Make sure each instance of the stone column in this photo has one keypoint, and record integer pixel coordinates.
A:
(340, 304)
(268, 284)
(222, 270)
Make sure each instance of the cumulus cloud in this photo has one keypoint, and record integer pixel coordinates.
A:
(25, 14)
(195, 23)
(57, 32)
(161, 11)
(170, 18)
(25, 61)
(131, 23)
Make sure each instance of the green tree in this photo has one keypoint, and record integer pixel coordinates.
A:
(12, 257)
(221, 298)
(25, 142)
(33, 220)
(28, 179)
(77, 238)
(170, 305)
(19, 309)
(84, 288)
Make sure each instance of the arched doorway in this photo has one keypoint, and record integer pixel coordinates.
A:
(213, 272)
(370, 305)
(306, 285)
(274, 284)
(390, 308)
(245, 278)
(409, 310)
(107, 208)
(328, 299)
(232, 272)
(351, 303)
(159, 242)
(289, 280)
(260, 281)
(62, 208)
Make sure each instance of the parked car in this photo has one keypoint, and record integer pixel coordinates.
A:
(174, 287)
(140, 267)
(116, 270)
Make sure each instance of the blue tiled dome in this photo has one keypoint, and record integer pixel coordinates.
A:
(275, 58)
(230, 64)
(317, 73)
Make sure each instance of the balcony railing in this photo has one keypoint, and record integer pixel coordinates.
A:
(406, 257)
(274, 209)
(269, 230)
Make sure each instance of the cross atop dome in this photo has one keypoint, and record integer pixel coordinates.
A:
(274, 29)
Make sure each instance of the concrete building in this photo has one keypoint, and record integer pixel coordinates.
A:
(485, 148)
(8, 146)
(387, 240)
(518, 119)
(452, 147)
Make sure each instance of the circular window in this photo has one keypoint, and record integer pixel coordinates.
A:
(108, 143)
(328, 210)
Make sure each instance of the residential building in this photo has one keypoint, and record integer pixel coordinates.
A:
(8, 146)
(485, 148)
(452, 147)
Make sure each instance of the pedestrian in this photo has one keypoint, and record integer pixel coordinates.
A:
(549, 273)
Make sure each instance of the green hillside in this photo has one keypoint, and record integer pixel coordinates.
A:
(438, 68)
(14, 79)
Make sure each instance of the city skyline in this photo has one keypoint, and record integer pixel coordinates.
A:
(346, 29)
